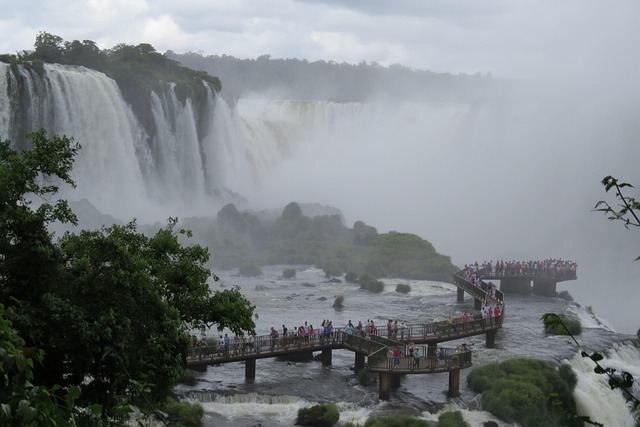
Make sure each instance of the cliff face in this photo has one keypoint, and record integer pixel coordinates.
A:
(155, 141)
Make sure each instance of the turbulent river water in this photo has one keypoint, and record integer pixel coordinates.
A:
(280, 388)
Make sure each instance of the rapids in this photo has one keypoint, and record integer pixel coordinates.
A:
(282, 387)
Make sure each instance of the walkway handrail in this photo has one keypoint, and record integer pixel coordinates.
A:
(442, 359)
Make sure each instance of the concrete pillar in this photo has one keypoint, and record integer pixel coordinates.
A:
(544, 287)
(359, 362)
(395, 380)
(454, 383)
(516, 285)
(477, 304)
(384, 385)
(491, 339)
(326, 357)
(250, 368)
(460, 295)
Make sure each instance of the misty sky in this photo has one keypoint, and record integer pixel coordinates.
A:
(515, 38)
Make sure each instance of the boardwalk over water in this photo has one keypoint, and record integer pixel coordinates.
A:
(377, 348)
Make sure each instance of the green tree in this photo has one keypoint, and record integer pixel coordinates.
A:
(27, 405)
(49, 47)
(111, 308)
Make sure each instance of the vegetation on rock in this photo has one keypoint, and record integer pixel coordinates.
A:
(403, 288)
(566, 327)
(323, 415)
(452, 419)
(528, 392)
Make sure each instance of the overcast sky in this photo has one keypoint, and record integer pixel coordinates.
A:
(514, 38)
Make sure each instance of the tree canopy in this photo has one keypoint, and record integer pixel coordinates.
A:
(110, 309)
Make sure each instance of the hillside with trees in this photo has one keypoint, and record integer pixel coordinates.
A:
(242, 238)
(332, 81)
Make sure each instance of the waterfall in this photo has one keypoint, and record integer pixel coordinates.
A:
(593, 395)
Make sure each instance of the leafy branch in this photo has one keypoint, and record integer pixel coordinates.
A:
(627, 208)
(623, 380)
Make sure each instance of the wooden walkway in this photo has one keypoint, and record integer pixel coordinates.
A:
(261, 347)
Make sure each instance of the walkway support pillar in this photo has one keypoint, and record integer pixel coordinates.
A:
(250, 368)
(544, 287)
(477, 304)
(359, 362)
(491, 339)
(460, 295)
(454, 383)
(515, 285)
(395, 380)
(384, 384)
(326, 357)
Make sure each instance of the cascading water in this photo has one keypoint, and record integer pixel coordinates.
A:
(435, 168)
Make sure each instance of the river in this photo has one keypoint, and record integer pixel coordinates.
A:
(280, 388)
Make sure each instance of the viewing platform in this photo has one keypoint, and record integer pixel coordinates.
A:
(513, 279)
(376, 347)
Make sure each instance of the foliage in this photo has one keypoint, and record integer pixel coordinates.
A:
(339, 302)
(351, 277)
(188, 377)
(188, 413)
(566, 327)
(404, 288)
(249, 270)
(25, 404)
(527, 391)
(110, 308)
(322, 240)
(331, 269)
(317, 80)
(617, 380)
(322, 415)
(395, 421)
(452, 419)
(289, 273)
(628, 208)
(370, 284)
(363, 377)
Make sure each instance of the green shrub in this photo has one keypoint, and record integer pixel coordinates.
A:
(363, 377)
(395, 421)
(323, 415)
(338, 303)
(370, 284)
(190, 414)
(188, 377)
(452, 419)
(331, 269)
(249, 270)
(289, 273)
(404, 288)
(528, 392)
(351, 277)
(573, 326)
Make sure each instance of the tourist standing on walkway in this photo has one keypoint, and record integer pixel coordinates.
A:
(416, 358)
(396, 356)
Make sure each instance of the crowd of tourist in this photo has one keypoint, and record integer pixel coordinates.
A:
(550, 267)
